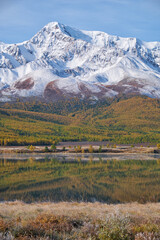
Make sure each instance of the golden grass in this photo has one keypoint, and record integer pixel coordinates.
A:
(79, 221)
(11, 210)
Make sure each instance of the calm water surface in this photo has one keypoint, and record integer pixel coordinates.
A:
(107, 178)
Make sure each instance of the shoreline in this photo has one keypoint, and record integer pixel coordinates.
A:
(72, 157)
(84, 148)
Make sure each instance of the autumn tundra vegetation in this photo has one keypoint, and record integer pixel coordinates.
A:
(119, 120)
(96, 221)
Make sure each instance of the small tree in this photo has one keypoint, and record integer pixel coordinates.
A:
(53, 148)
(78, 148)
(46, 149)
(158, 145)
(100, 149)
(83, 150)
(90, 149)
(31, 148)
(5, 142)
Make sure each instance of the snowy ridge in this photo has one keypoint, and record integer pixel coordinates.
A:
(60, 61)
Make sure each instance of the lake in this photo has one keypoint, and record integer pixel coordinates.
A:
(110, 178)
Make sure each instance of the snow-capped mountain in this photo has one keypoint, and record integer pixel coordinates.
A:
(63, 62)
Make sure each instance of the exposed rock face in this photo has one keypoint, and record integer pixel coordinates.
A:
(60, 61)
(26, 84)
(51, 92)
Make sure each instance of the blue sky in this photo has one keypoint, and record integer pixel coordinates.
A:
(21, 19)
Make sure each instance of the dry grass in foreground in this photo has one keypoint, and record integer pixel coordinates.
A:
(78, 221)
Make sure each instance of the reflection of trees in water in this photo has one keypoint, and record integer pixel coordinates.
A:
(50, 179)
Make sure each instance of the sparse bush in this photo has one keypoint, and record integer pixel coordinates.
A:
(89, 230)
(43, 227)
(147, 236)
(147, 228)
(117, 227)
(5, 226)
(55, 223)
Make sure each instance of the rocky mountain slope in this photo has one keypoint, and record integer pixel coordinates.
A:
(62, 62)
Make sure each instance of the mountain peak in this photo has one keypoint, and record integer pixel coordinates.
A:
(53, 26)
(56, 27)
(63, 61)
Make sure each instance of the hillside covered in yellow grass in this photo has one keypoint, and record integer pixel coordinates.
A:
(132, 120)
